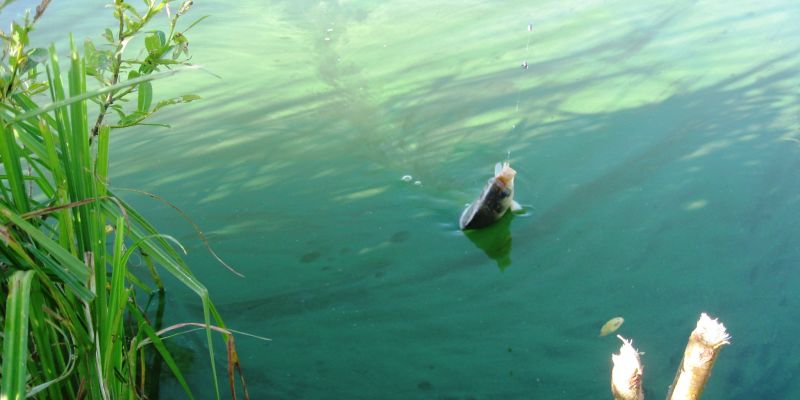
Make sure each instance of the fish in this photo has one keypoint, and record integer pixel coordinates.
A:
(611, 326)
(496, 198)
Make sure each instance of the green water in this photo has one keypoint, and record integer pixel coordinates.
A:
(656, 157)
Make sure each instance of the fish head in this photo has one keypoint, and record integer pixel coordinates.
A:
(506, 175)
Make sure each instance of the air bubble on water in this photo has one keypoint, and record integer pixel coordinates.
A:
(406, 178)
(418, 183)
(327, 39)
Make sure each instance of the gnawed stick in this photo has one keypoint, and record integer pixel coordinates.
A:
(704, 345)
(626, 375)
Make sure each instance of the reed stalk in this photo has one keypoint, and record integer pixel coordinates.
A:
(705, 343)
(626, 375)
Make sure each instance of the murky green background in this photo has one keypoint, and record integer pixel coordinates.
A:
(657, 157)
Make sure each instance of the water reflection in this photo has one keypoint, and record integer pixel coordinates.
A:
(494, 240)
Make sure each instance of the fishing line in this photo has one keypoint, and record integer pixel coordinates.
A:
(525, 61)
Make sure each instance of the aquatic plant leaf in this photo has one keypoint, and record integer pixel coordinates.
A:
(181, 45)
(97, 61)
(152, 43)
(176, 100)
(34, 58)
(197, 21)
(131, 9)
(108, 35)
(145, 97)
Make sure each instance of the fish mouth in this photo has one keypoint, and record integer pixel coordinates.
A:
(507, 174)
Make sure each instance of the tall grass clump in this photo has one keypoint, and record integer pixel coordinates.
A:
(74, 325)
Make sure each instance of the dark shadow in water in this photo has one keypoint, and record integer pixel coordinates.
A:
(494, 240)
(153, 360)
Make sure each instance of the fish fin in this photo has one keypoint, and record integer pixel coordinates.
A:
(515, 206)
(498, 168)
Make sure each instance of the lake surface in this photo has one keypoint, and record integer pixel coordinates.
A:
(657, 155)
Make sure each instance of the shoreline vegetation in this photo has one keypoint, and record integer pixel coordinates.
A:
(76, 320)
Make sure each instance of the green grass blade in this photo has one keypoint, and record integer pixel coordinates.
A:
(26, 104)
(159, 249)
(101, 164)
(29, 137)
(9, 151)
(159, 345)
(43, 332)
(15, 339)
(54, 161)
(72, 266)
(103, 90)
(77, 140)
(79, 291)
(40, 175)
(117, 299)
(67, 187)
(145, 96)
